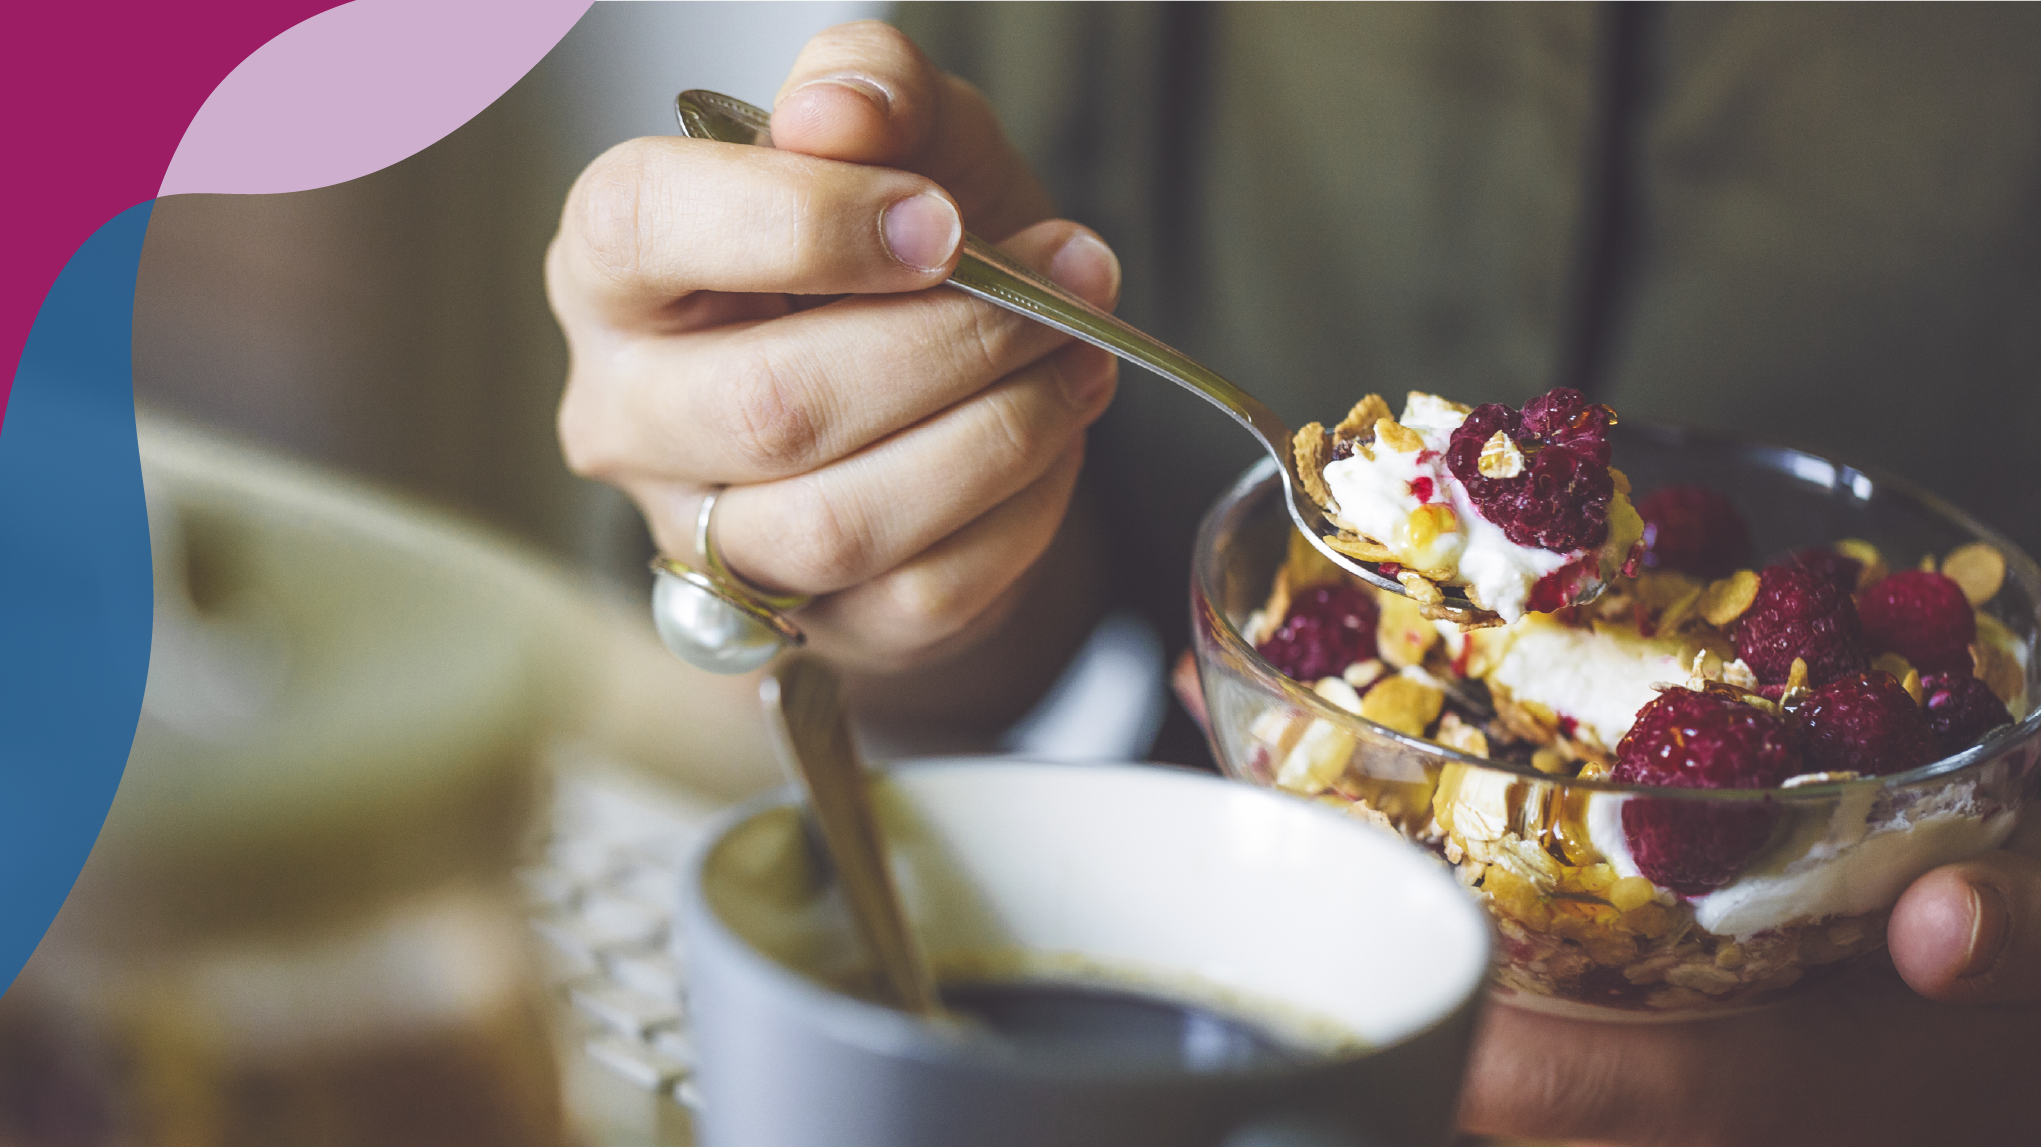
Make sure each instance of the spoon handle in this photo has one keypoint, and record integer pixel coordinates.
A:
(813, 732)
(988, 273)
(985, 272)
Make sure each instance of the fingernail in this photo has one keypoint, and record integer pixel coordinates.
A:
(1087, 266)
(922, 232)
(1989, 927)
(864, 86)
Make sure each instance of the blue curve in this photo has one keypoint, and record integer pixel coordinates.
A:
(75, 588)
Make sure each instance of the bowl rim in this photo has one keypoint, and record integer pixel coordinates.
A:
(1259, 480)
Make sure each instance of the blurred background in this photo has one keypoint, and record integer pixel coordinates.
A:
(394, 857)
(395, 326)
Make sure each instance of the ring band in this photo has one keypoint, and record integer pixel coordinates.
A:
(706, 547)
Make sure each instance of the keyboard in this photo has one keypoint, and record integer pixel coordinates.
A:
(601, 888)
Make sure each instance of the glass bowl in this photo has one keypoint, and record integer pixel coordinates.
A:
(1577, 937)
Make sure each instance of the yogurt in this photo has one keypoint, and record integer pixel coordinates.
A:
(1845, 864)
(1600, 677)
(1408, 500)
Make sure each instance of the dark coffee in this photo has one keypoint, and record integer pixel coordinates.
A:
(1119, 1029)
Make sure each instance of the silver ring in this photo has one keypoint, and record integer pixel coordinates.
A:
(706, 547)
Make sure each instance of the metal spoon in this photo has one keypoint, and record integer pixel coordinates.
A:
(813, 736)
(988, 274)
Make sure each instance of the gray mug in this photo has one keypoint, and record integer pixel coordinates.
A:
(1341, 941)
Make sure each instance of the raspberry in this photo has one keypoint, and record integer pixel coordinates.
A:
(1865, 723)
(1960, 710)
(1329, 627)
(1921, 616)
(1685, 739)
(1802, 614)
(1561, 500)
(1827, 563)
(1562, 587)
(1694, 530)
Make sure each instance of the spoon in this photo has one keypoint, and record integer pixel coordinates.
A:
(989, 274)
(812, 733)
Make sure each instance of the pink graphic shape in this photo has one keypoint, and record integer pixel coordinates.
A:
(100, 94)
(357, 88)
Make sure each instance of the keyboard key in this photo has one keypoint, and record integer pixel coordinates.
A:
(642, 1066)
(565, 944)
(616, 921)
(674, 1044)
(626, 1013)
(652, 973)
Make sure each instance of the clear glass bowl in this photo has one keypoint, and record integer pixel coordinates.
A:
(1577, 939)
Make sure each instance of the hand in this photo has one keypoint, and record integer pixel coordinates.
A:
(764, 320)
(1936, 1044)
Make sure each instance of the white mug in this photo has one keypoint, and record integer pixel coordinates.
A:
(1326, 933)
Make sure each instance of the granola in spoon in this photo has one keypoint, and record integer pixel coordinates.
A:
(1519, 508)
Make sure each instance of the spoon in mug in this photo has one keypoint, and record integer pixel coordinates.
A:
(804, 704)
(989, 274)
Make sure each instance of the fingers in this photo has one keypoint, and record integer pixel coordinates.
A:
(858, 92)
(957, 590)
(849, 522)
(1539, 1076)
(864, 93)
(1970, 933)
(654, 219)
(765, 401)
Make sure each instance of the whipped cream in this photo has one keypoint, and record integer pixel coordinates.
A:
(1600, 677)
(1381, 497)
(1842, 864)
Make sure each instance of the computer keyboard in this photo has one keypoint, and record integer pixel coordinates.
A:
(601, 889)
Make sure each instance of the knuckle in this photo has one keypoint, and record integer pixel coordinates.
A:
(987, 337)
(927, 607)
(609, 207)
(586, 443)
(771, 431)
(825, 545)
(1015, 438)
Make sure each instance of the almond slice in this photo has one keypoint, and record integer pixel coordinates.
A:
(1360, 549)
(1500, 457)
(1680, 612)
(1796, 689)
(1404, 705)
(1313, 451)
(1728, 599)
(1398, 437)
(1979, 568)
(1362, 418)
(1912, 684)
(1894, 664)
(1998, 669)
(1871, 567)
(1419, 590)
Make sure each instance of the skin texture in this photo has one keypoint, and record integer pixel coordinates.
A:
(742, 317)
(763, 319)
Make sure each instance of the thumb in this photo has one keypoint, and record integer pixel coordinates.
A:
(1970, 933)
(863, 93)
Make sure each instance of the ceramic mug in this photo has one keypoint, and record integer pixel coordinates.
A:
(1341, 942)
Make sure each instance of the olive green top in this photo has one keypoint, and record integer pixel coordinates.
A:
(1813, 224)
